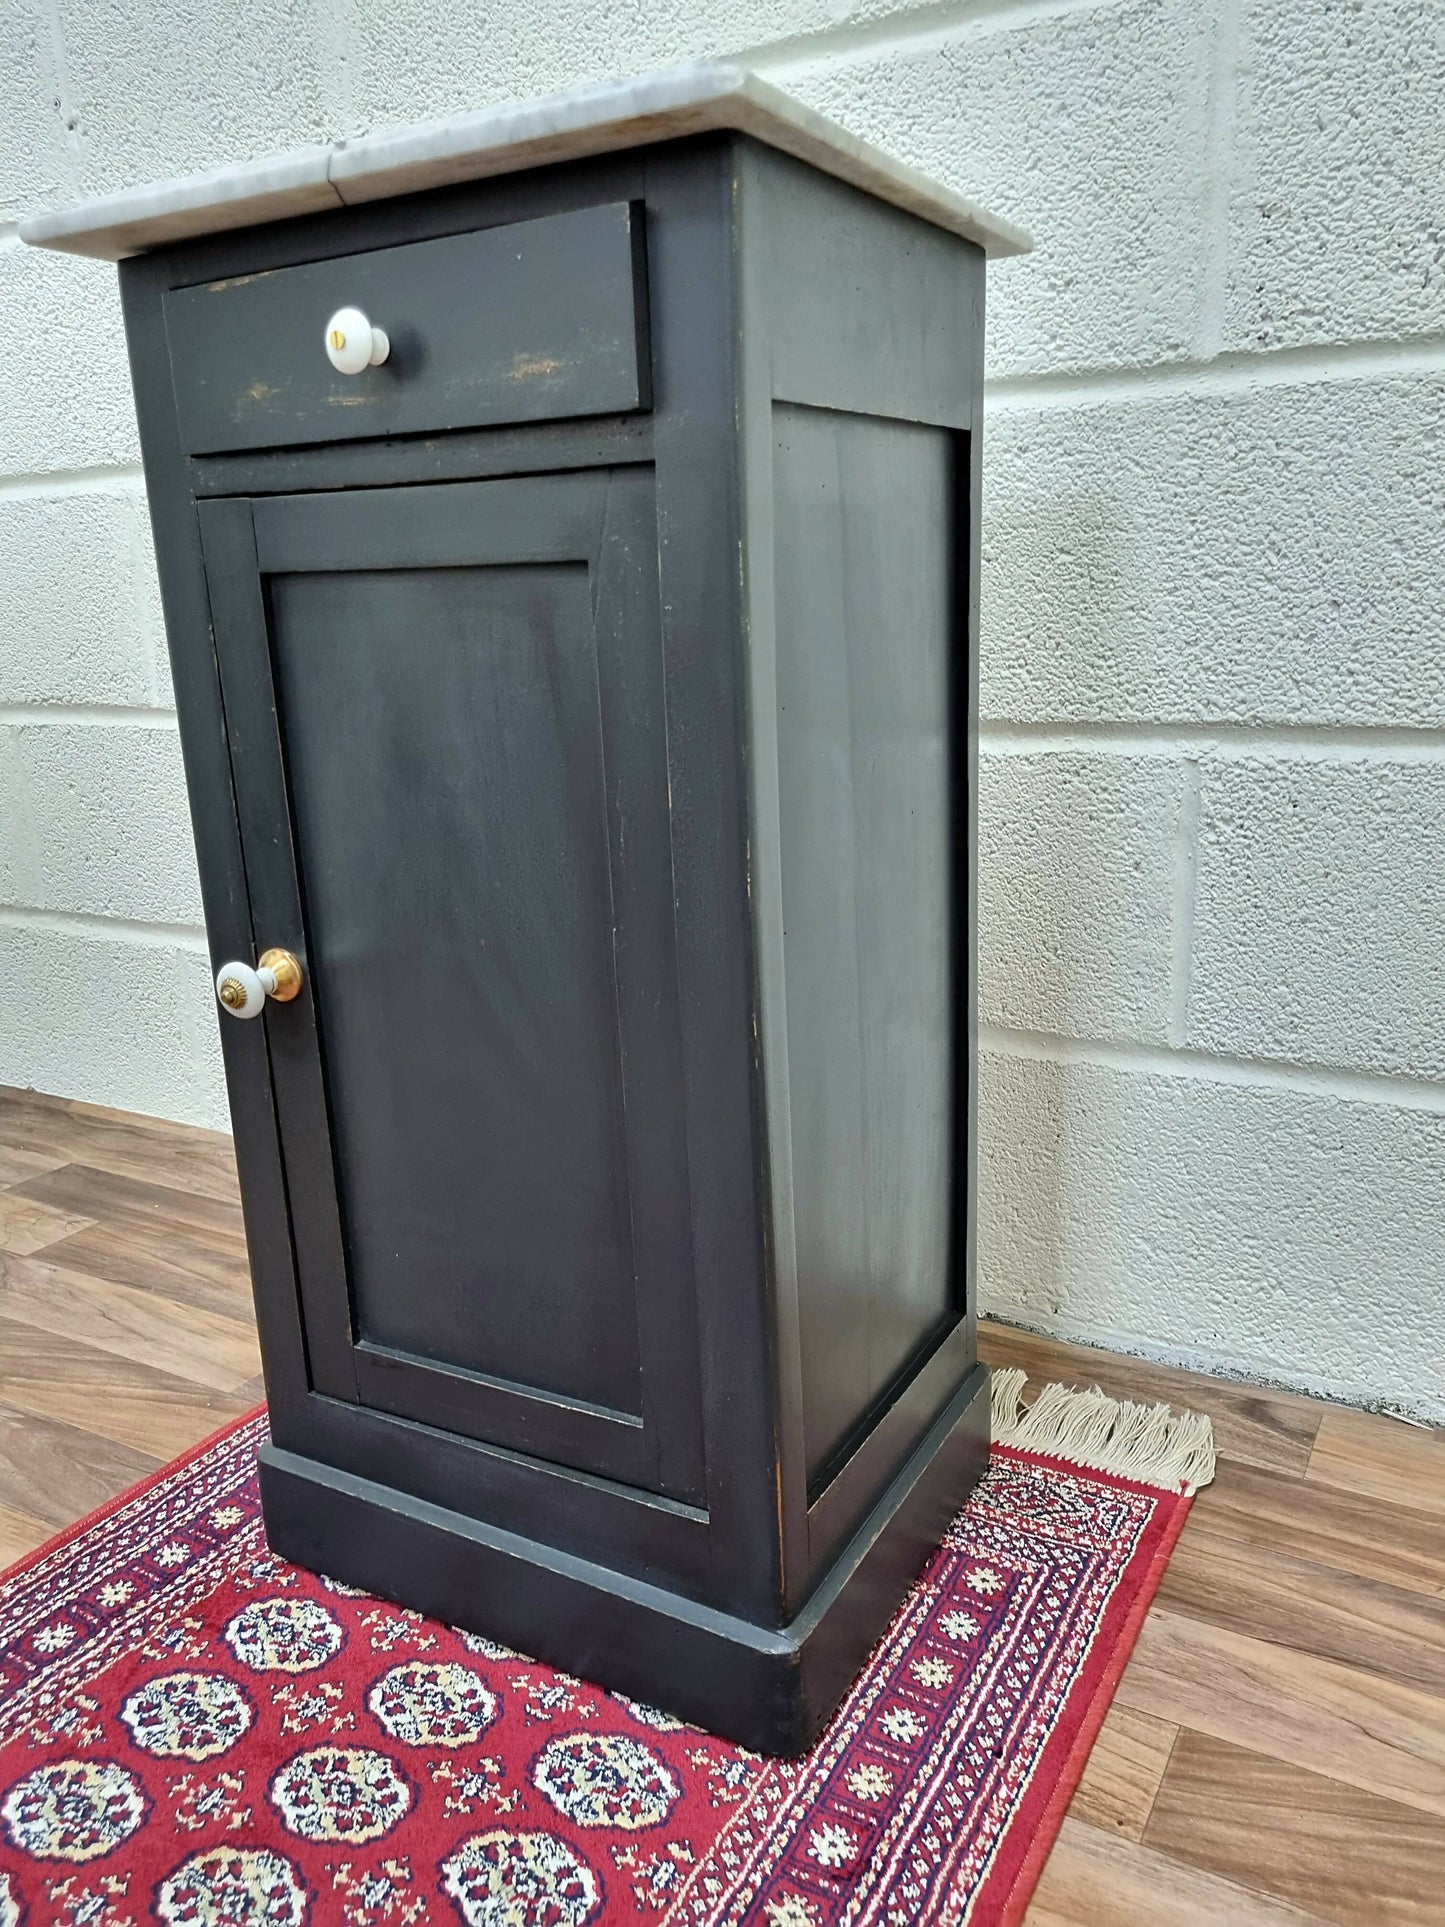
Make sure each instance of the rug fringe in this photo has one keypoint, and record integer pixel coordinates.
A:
(1150, 1443)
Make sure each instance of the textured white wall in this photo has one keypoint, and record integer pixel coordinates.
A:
(1214, 652)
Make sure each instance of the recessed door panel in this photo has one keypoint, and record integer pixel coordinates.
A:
(442, 736)
(445, 710)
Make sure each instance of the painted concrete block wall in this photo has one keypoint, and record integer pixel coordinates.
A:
(1213, 1122)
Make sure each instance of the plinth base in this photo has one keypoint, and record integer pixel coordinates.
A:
(769, 1688)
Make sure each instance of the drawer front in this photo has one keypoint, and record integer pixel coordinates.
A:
(532, 322)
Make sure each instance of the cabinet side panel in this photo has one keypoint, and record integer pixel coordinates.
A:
(864, 599)
(865, 308)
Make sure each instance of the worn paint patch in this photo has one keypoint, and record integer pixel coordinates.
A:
(239, 281)
(530, 368)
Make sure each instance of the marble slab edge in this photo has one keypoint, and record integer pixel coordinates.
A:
(665, 105)
(141, 218)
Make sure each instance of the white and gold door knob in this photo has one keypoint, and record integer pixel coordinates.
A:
(242, 991)
(353, 344)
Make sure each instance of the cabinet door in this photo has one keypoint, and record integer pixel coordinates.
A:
(445, 713)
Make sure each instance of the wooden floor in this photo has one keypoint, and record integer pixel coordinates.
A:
(1276, 1751)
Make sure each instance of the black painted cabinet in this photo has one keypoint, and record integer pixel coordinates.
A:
(584, 695)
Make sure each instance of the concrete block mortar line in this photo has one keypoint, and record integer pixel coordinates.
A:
(909, 30)
(1157, 1060)
(1239, 373)
(1224, 742)
(89, 924)
(1217, 183)
(106, 478)
(86, 716)
(72, 140)
(339, 42)
(1186, 845)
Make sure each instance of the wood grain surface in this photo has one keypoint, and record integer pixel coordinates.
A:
(1276, 1752)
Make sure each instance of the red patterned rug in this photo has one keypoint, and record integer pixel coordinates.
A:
(192, 1731)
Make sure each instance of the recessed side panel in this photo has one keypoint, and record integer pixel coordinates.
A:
(442, 738)
(864, 559)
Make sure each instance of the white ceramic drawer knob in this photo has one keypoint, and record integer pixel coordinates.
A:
(242, 991)
(353, 344)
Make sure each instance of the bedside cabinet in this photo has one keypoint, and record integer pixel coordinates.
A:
(567, 521)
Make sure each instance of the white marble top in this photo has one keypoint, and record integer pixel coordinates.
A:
(501, 140)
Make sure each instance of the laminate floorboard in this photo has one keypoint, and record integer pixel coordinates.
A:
(1267, 1594)
(1092, 1880)
(119, 1399)
(52, 1473)
(1338, 1852)
(1270, 1698)
(204, 1346)
(1325, 1526)
(188, 1267)
(1124, 1772)
(1397, 1463)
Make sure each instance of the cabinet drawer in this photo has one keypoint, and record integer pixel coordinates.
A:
(530, 322)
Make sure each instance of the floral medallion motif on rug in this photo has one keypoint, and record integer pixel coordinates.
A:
(194, 1733)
